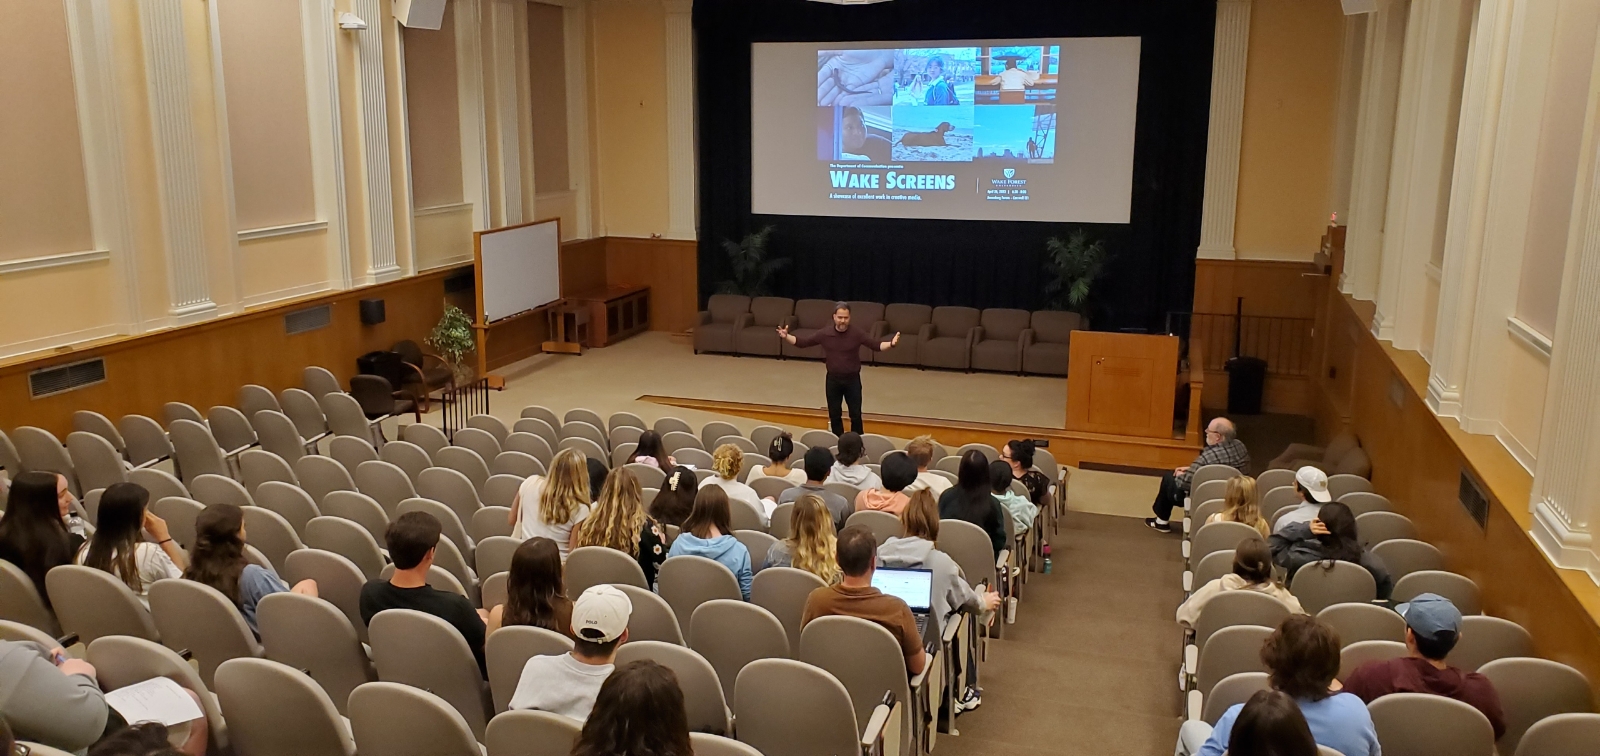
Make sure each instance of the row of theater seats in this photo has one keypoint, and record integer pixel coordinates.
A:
(316, 498)
(959, 338)
(1222, 663)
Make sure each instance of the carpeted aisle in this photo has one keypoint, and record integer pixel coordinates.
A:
(1090, 667)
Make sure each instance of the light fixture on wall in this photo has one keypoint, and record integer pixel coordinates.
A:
(351, 22)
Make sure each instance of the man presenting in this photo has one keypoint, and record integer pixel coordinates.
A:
(841, 349)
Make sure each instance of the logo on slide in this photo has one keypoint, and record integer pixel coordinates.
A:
(1011, 172)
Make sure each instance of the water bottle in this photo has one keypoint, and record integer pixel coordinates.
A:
(1047, 565)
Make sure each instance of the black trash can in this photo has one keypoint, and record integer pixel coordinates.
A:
(389, 365)
(1247, 379)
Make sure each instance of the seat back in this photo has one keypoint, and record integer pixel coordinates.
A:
(781, 520)
(1453, 728)
(426, 438)
(589, 566)
(514, 463)
(494, 555)
(279, 435)
(1208, 473)
(770, 312)
(1322, 584)
(863, 656)
(271, 533)
(907, 318)
(706, 744)
(1363, 622)
(954, 322)
(1229, 691)
(410, 458)
(1270, 479)
(508, 650)
(291, 502)
(1460, 589)
(253, 398)
(758, 544)
(258, 466)
(492, 520)
(703, 698)
(320, 476)
(311, 634)
(1353, 655)
(346, 416)
(1341, 485)
(159, 483)
(1556, 735)
(305, 411)
(649, 476)
(423, 651)
(652, 617)
(790, 708)
(449, 521)
(231, 428)
(20, 601)
(971, 549)
(1229, 651)
(197, 617)
(195, 450)
(89, 421)
(493, 589)
(1232, 608)
(1485, 639)
(625, 420)
(726, 308)
(318, 380)
(120, 661)
(687, 581)
(146, 440)
(535, 426)
(351, 451)
(391, 719)
(490, 424)
(339, 583)
(180, 514)
(347, 539)
(211, 489)
(731, 634)
(532, 445)
(1532, 689)
(16, 632)
(532, 733)
(485, 443)
(813, 313)
(1212, 566)
(465, 461)
(1002, 324)
(358, 508)
(882, 524)
(258, 697)
(1218, 536)
(386, 483)
(97, 463)
(783, 592)
(451, 488)
(1362, 502)
(1376, 527)
(1055, 327)
(1403, 556)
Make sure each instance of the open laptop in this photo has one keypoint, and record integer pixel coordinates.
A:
(913, 586)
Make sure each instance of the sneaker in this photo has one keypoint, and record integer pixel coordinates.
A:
(970, 699)
(1163, 527)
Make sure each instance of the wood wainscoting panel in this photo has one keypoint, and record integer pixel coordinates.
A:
(1270, 288)
(670, 267)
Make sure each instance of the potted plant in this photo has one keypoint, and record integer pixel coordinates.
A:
(751, 268)
(452, 336)
(1073, 266)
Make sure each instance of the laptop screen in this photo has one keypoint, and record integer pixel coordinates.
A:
(915, 587)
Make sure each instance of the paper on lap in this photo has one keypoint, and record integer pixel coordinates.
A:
(155, 700)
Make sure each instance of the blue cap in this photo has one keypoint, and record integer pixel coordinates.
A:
(1430, 614)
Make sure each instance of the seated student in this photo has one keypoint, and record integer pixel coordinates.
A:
(1252, 571)
(811, 543)
(706, 534)
(1433, 625)
(552, 506)
(1021, 511)
(1329, 537)
(898, 473)
(535, 591)
(818, 463)
(848, 467)
(1019, 455)
(1241, 505)
(972, 499)
(675, 498)
(920, 450)
(32, 534)
(1270, 724)
(650, 452)
(854, 596)
(779, 451)
(50, 698)
(1312, 485)
(726, 462)
(219, 562)
(567, 684)
(639, 710)
(119, 546)
(1302, 658)
(412, 539)
(78, 529)
(618, 522)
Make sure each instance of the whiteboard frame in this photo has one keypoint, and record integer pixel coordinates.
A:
(477, 272)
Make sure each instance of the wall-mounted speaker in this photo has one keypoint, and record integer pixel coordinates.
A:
(419, 14)
(1353, 7)
(372, 312)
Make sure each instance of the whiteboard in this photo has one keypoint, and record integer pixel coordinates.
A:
(519, 269)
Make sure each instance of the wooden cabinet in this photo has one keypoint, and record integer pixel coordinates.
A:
(615, 312)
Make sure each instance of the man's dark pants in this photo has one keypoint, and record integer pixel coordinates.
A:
(844, 389)
(1171, 495)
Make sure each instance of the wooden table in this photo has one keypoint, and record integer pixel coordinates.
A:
(615, 312)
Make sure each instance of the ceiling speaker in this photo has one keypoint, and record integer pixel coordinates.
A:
(424, 14)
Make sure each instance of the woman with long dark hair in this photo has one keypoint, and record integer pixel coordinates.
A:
(707, 533)
(639, 712)
(534, 590)
(1019, 455)
(32, 534)
(676, 498)
(971, 499)
(650, 452)
(1331, 537)
(119, 546)
(219, 562)
(1270, 724)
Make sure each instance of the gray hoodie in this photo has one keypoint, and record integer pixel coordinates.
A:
(43, 705)
(857, 475)
(950, 590)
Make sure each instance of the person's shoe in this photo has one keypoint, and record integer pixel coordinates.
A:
(970, 699)
(1162, 527)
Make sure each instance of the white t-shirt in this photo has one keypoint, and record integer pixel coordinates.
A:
(935, 483)
(530, 525)
(560, 685)
(153, 563)
(737, 490)
(795, 475)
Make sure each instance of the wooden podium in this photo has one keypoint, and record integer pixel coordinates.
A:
(1122, 384)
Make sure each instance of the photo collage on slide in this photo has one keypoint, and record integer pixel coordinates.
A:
(938, 105)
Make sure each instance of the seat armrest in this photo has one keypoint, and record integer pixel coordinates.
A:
(872, 733)
(880, 330)
(925, 332)
(1027, 338)
(1196, 705)
(974, 335)
(789, 321)
(932, 651)
(952, 626)
(704, 318)
(1001, 560)
(743, 321)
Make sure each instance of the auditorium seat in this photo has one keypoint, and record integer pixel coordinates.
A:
(1045, 351)
(809, 316)
(908, 320)
(949, 338)
(999, 345)
(724, 315)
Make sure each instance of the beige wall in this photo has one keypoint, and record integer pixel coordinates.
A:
(1290, 100)
(433, 114)
(269, 132)
(547, 72)
(629, 92)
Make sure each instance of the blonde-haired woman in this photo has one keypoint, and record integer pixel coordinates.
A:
(618, 522)
(726, 462)
(811, 546)
(555, 503)
(1240, 504)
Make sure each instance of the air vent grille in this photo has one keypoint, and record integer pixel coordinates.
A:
(55, 380)
(310, 319)
(1473, 499)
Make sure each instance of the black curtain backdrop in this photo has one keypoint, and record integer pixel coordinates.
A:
(972, 263)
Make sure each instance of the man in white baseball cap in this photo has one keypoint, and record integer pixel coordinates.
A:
(568, 684)
(1313, 487)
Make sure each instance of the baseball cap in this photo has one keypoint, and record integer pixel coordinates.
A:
(601, 614)
(1430, 614)
(1314, 481)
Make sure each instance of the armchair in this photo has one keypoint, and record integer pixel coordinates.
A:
(760, 335)
(913, 323)
(724, 316)
(999, 348)
(810, 315)
(952, 334)
(424, 373)
(1045, 346)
